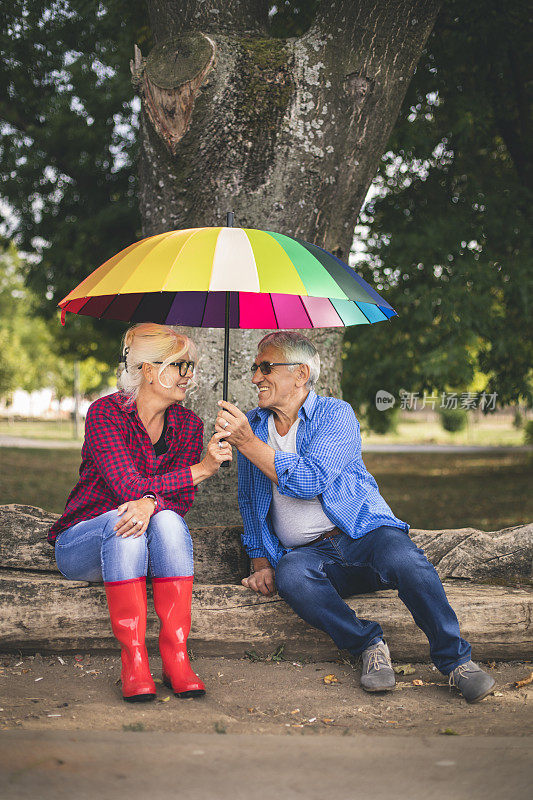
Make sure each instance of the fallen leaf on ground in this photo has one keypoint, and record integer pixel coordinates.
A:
(524, 682)
(418, 682)
(328, 721)
(449, 732)
(404, 669)
(330, 679)
(164, 699)
(498, 694)
(392, 721)
(296, 711)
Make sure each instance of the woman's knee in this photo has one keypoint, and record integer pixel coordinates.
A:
(167, 524)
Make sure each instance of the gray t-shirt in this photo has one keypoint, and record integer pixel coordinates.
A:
(295, 521)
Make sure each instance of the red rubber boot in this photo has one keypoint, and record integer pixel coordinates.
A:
(127, 608)
(172, 601)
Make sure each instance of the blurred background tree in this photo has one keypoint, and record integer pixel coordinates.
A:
(448, 230)
(30, 344)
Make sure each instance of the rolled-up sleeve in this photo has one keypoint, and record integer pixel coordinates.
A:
(336, 444)
(251, 538)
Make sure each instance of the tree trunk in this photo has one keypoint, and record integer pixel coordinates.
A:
(287, 134)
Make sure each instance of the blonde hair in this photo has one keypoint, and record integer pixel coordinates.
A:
(146, 343)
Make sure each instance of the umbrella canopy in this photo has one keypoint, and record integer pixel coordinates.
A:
(185, 277)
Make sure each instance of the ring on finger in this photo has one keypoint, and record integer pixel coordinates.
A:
(133, 521)
(225, 424)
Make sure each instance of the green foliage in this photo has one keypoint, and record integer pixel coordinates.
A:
(528, 432)
(68, 144)
(381, 422)
(29, 343)
(448, 231)
(453, 419)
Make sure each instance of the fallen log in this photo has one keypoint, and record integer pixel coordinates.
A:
(45, 613)
(465, 553)
(40, 610)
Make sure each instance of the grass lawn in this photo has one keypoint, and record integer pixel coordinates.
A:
(489, 430)
(40, 429)
(487, 491)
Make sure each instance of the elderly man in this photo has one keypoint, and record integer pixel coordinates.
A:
(316, 527)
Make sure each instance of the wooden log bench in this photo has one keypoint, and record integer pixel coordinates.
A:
(41, 611)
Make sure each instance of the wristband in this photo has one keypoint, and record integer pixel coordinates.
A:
(151, 496)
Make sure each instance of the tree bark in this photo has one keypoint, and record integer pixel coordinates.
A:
(467, 554)
(287, 134)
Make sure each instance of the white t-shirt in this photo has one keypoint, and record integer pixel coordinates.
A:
(295, 521)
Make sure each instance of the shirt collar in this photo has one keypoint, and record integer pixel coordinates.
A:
(307, 409)
(121, 401)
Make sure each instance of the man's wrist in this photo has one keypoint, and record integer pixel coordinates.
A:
(260, 563)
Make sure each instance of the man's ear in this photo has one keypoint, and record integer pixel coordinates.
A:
(302, 374)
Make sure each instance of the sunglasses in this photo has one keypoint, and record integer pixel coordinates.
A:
(182, 366)
(266, 366)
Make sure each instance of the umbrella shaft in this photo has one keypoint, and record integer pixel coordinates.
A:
(226, 350)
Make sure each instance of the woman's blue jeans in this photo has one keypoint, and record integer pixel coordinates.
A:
(92, 551)
(314, 579)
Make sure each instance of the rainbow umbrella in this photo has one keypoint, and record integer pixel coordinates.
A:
(227, 278)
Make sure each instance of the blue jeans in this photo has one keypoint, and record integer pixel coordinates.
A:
(92, 551)
(314, 579)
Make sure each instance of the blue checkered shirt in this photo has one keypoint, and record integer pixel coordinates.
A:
(327, 464)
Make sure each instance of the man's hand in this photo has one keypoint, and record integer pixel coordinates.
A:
(233, 424)
(262, 579)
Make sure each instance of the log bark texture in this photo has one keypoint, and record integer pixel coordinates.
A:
(465, 554)
(40, 610)
(287, 134)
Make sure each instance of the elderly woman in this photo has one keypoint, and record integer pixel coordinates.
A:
(140, 464)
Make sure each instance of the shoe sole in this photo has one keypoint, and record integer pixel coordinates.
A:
(483, 695)
(139, 698)
(185, 695)
(385, 689)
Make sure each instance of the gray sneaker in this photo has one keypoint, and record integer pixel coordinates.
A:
(472, 682)
(377, 675)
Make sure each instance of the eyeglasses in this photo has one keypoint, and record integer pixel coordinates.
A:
(183, 366)
(266, 366)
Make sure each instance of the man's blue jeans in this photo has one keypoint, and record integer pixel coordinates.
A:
(92, 551)
(314, 579)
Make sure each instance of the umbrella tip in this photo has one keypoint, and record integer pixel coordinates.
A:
(230, 216)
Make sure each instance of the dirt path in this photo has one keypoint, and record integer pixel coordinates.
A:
(68, 693)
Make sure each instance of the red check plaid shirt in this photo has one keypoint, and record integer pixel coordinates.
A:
(119, 463)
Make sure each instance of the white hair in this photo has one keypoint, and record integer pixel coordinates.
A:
(147, 343)
(295, 347)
